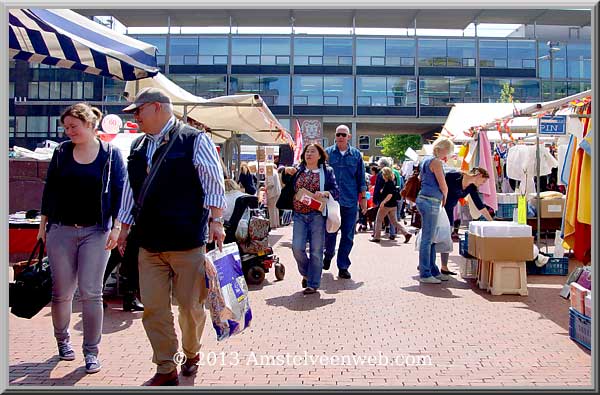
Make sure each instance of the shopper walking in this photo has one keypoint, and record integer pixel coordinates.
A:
(171, 220)
(348, 166)
(431, 197)
(81, 198)
(309, 223)
(388, 206)
(246, 179)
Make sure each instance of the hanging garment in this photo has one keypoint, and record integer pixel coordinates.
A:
(488, 189)
(562, 156)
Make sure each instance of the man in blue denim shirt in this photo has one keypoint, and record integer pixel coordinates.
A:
(349, 169)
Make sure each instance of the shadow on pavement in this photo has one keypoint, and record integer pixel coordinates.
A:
(331, 285)
(300, 302)
(36, 373)
(434, 290)
(115, 319)
(265, 283)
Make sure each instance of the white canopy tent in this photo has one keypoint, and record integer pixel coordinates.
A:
(225, 115)
(463, 116)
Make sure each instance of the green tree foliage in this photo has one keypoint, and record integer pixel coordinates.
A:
(507, 94)
(395, 145)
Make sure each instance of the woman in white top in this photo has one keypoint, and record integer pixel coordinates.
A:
(232, 192)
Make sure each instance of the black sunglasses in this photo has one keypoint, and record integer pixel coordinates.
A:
(341, 134)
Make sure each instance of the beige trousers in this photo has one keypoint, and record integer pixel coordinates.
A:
(180, 273)
(389, 212)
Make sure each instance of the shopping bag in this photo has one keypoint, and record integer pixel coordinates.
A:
(418, 241)
(559, 250)
(442, 236)
(522, 209)
(334, 217)
(227, 291)
(32, 289)
(241, 232)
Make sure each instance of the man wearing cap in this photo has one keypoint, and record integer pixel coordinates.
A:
(171, 221)
(349, 172)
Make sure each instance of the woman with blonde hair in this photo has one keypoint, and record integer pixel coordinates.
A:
(431, 198)
(81, 200)
(246, 179)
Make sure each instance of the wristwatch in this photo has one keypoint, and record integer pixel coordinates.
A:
(219, 220)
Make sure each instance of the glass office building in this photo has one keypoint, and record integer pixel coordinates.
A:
(375, 84)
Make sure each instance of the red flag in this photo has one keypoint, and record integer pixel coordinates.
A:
(299, 146)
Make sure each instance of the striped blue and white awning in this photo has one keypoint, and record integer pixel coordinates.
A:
(63, 38)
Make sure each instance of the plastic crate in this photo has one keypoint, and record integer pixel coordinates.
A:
(505, 210)
(468, 268)
(555, 267)
(580, 328)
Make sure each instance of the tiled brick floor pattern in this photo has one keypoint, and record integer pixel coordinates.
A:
(462, 336)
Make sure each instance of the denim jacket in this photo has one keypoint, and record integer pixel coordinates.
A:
(349, 172)
(113, 177)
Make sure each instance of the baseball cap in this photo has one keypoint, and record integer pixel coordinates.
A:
(148, 95)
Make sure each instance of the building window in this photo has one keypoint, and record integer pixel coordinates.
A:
(186, 82)
(323, 51)
(386, 91)
(526, 90)
(113, 90)
(579, 62)
(493, 53)
(37, 127)
(184, 50)
(378, 142)
(323, 90)
(364, 142)
(20, 125)
(65, 90)
(211, 86)
(559, 63)
(274, 89)
(275, 51)
(54, 126)
(213, 50)
(440, 91)
(33, 90)
(432, 52)
(461, 53)
(88, 90)
(11, 90)
(521, 54)
(385, 52)
(77, 89)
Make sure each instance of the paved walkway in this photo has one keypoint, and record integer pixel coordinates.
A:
(449, 335)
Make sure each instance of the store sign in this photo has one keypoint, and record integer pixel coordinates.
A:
(112, 124)
(312, 131)
(553, 125)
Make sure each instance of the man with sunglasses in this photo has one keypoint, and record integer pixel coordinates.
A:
(349, 169)
(171, 224)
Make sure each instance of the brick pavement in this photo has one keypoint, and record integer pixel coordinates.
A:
(449, 335)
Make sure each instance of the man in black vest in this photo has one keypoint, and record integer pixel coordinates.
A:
(171, 212)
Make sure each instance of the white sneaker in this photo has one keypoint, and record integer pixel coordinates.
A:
(430, 280)
(92, 364)
(443, 277)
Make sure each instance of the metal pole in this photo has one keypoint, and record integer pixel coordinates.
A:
(537, 171)
(551, 57)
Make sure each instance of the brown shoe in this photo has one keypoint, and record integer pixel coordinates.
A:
(163, 379)
(190, 366)
(407, 237)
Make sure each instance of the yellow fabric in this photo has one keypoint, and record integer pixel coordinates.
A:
(464, 165)
(571, 203)
(584, 207)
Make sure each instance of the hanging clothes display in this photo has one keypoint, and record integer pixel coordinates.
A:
(485, 160)
(577, 222)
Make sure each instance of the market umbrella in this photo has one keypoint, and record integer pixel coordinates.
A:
(63, 38)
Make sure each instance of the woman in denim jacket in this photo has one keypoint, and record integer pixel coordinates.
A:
(81, 198)
(309, 223)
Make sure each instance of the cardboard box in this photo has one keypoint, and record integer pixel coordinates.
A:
(550, 208)
(309, 198)
(502, 249)
(578, 294)
(472, 244)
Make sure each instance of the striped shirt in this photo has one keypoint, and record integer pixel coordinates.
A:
(206, 160)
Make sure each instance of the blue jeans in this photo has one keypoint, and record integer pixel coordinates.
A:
(309, 228)
(349, 215)
(429, 209)
(77, 258)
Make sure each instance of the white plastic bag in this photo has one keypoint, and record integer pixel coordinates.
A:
(334, 217)
(241, 233)
(418, 240)
(559, 250)
(227, 291)
(442, 236)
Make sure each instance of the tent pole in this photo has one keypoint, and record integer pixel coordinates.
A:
(538, 202)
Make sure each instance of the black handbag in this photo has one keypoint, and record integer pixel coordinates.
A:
(286, 199)
(32, 289)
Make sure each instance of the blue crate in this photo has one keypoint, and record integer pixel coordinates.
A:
(580, 328)
(505, 210)
(554, 267)
(463, 247)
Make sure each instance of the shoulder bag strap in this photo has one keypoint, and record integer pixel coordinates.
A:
(154, 169)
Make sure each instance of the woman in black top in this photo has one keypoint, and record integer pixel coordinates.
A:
(247, 180)
(81, 198)
(388, 207)
(461, 184)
